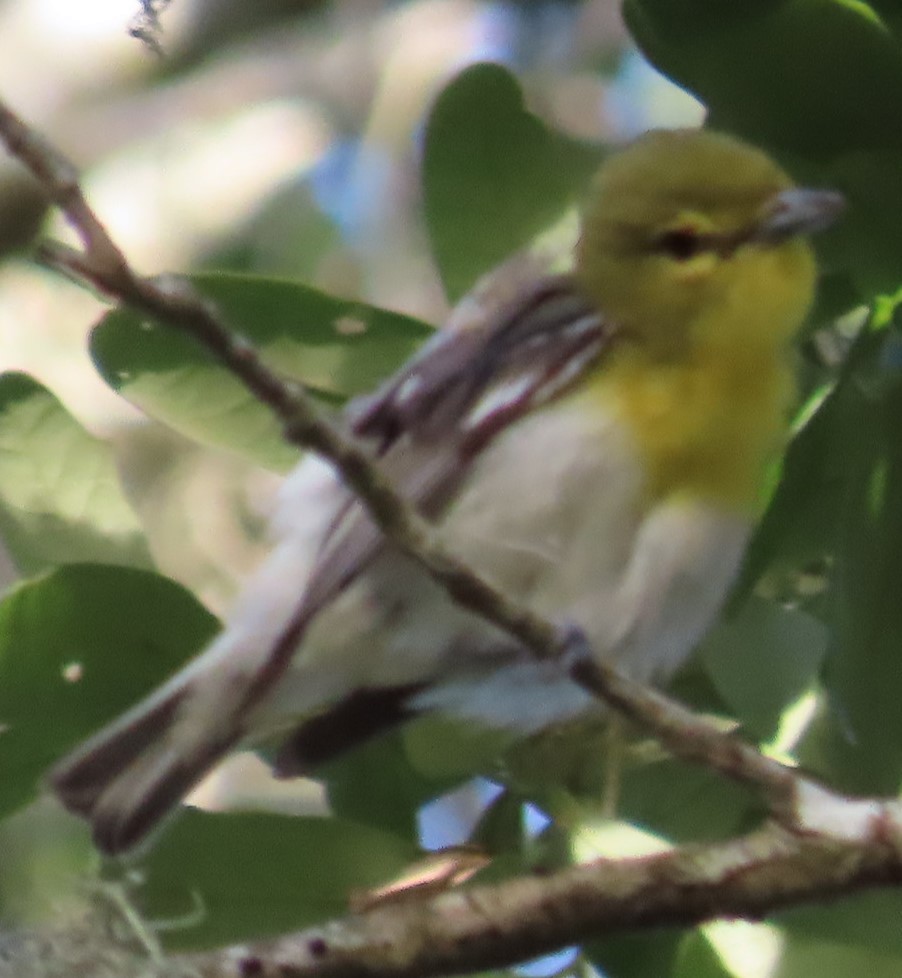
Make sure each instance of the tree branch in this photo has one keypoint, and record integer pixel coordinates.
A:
(494, 926)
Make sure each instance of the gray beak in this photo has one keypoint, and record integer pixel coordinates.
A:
(798, 211)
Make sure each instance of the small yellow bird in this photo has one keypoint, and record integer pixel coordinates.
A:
(593, 443)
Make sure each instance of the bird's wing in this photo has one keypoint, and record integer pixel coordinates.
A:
(516, 342)
(500, 356)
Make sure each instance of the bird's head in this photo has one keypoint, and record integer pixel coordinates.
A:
(689, 234)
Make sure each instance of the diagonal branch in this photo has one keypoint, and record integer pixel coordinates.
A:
(494, 926)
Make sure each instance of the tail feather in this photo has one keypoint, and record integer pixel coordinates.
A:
(83, 776)
(143, 795)
(131, 775)
(126, 778)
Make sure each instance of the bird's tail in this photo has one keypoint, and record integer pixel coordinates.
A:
(128, 777)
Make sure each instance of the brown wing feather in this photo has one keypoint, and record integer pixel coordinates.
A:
(431, 419)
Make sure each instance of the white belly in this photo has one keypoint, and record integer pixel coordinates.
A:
(550, 514)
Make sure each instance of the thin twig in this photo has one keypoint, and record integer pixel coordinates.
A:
(145, 26)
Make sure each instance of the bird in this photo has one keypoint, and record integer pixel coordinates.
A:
(592, 441)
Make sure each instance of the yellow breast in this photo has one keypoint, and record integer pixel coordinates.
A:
(707, 425)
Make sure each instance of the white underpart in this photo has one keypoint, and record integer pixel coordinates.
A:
(548, 514)
(307, 502)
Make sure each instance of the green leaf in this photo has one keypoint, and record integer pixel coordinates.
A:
(842, 953)
(762, 660)
(76, 648)
(501, 826)
(635, 955)
(683, 802)
(226, 877)
(376, 784)
(447, 749)
(337, 348)
(800, 523)
(698, 959)
(763, 68)
(569, 760)
(60, 496)
(862, 748)
(865, 919)
(494, 175)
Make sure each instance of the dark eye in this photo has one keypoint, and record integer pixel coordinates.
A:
(680, 244)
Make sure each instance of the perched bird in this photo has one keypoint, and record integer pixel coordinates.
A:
(593, 443)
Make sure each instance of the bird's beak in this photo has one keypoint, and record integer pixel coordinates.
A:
(798, 211)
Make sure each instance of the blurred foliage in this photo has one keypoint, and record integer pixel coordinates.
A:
(60, 497)
(807, 660)
(489, 196)
(282, 872)
(815, 81)
(337, 349)
(77, 646)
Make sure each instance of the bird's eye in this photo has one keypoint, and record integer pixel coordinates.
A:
(680, 244)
